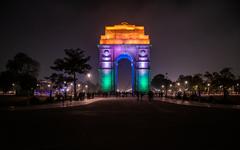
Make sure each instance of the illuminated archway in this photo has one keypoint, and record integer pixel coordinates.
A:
(124, 41)
(130, 58)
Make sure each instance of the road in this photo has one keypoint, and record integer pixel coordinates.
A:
(121, 124)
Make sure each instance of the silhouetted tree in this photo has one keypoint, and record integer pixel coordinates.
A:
(227, 78)
(74, 62)
(237, 85)
(160, 80)
(7, 81)
(185, 81)
(23, 64)
(22, 71)
(224, 78)
(58, 80)
(197, 83)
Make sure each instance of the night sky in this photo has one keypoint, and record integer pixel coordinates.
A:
(187, 36)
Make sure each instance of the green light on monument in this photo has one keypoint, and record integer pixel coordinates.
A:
(106, 80)
(143, 81)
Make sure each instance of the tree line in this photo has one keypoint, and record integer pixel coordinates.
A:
(22, 71)
(210, 82)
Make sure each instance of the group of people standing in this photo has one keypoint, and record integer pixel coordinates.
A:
(140, 96)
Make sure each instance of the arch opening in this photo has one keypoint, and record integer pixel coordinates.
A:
(124, 73)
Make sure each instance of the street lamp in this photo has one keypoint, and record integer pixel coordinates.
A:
(186, 82)
(89, 75)
(170, 85)
(50, 91)
(86, 86)
(178, 84)
(208, 85)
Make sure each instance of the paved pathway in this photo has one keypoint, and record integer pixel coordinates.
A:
(68, 104)
(54, 105)
(199, 104)
(118, 124)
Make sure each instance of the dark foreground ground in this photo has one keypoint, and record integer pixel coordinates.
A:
(121, 124)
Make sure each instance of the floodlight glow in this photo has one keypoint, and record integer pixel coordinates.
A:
(124, 34)
(129, 42)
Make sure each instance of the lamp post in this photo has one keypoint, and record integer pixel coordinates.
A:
(50, 91)
(14, 91)
(186, 85)
(86, 86)
(208, 85)
(89, 75)
(178, 86)
(163, 89)
(65, 90)
(79, 85)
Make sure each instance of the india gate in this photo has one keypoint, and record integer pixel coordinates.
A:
(124, 41)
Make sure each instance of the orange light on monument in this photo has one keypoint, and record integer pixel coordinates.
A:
(124, 34)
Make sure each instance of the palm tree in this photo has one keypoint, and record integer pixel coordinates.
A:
(74, 62)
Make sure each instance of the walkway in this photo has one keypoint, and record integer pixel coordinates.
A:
(54, 105)
(68, 104)
(198, 104)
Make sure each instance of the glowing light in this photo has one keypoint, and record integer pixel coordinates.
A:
(208, 84)
(124, 41)
(143, 65)
(162, 86)
(186, 82)
(143, 79)
(170, 85)
(178, 84)
(124, 34)
(106, 79)
(79, 85)
(89, 75)
(49, 85)
(106, 64)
